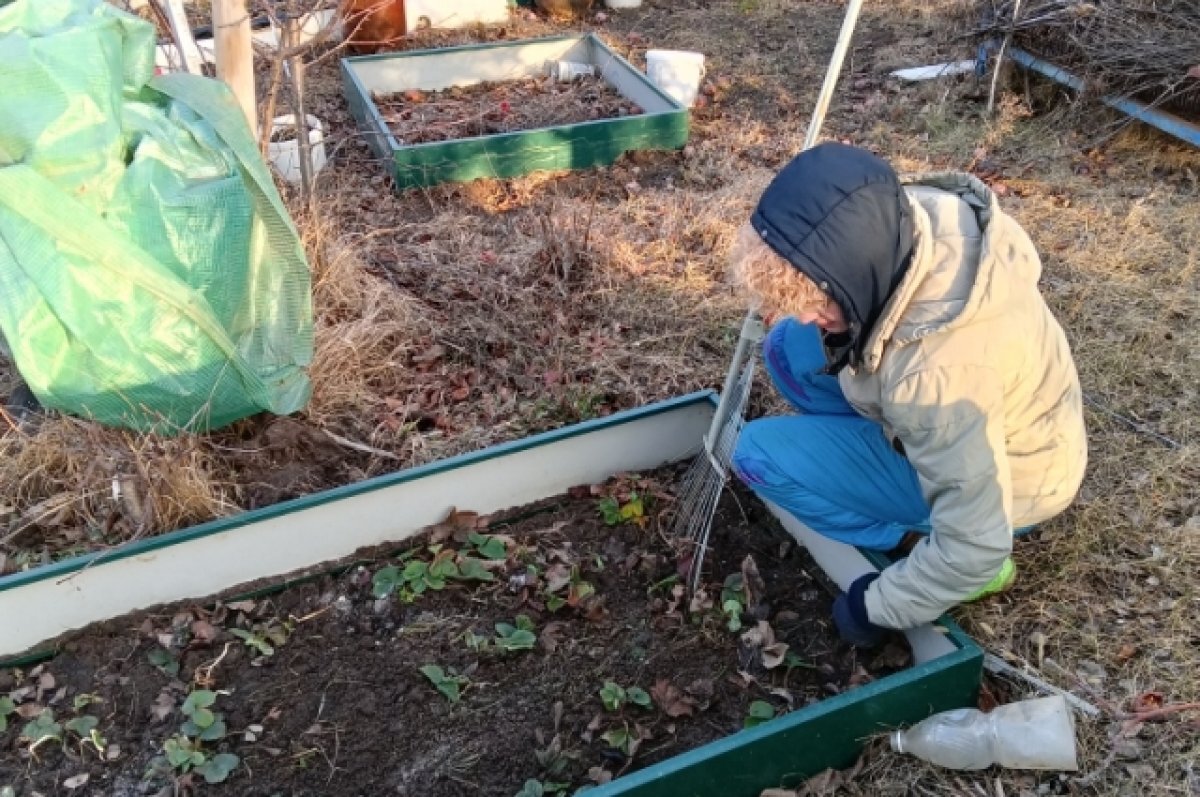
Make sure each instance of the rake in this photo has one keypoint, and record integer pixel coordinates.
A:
(709, 471)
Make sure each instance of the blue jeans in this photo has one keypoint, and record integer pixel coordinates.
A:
(835, 470)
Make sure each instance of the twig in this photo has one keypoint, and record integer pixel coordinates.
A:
(11, 422)
(994, 664)
(1161, 711)
(991, 103)
(1131, 423)
(363, 447)
(203, 674)
(295, 66)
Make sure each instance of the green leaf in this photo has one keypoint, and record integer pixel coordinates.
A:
(255, 641)
(519, 639)
(524, 623)
(475, 641)
(41, 728)
(490, 547)
(448, 685)
(7, 706)
(443, 568)
(759, 712)
(618, 739)
(201, 698)
(532, 788)
(219, 767)
(210, 734)
(434, 673)
(414, 570)
(180, 753)
(554, 603)
(82, 726)
(450, 689)
(791, 661)
(633, 509)
(610, 510)
(472, 569)
(733, 613)
(638, 696)
(385, 581)
(612, 696)
(80, 702)
(163, 660)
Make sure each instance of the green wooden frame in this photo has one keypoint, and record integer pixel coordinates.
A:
(663, 125)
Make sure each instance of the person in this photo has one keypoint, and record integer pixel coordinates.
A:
(936, 392)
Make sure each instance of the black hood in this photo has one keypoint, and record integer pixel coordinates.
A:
(839, 215)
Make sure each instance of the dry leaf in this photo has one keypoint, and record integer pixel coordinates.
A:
(433, 353)
(164, 705)
(46, 683)
(700, 602)
(778, 793)
(824, 783)
(785, 694)
(671, 700)
(28, 711)
(760, 636)
(592, 727)
(1126, 652)
(551, 636)
(773, 655)
(243, 606)
(1148, 701)
(860, 676)
(677, 593)
(557, 576)
(599, 775)
(1194, 72)
(204, 631)
(752, 583)
(76, 781)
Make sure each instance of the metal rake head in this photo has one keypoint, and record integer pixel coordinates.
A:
(701, 488)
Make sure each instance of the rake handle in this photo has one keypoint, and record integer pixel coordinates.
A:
(752, 326)
(751, 335)
(831, 72)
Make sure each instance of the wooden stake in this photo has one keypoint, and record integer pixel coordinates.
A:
(235, 54)
(295, 65)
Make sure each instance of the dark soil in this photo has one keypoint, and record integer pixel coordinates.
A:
(341, 707)
(485, 109)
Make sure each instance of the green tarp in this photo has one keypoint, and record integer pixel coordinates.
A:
(150, 276)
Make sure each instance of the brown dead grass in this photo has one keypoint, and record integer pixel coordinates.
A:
(452, 318)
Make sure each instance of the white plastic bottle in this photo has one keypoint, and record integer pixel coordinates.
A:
(1032, 734)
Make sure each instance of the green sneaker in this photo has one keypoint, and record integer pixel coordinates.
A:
(1003, 580)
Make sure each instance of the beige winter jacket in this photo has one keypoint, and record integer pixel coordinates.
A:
(970, 371)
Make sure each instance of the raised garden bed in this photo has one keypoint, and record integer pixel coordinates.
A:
(559, 142)
(332, 677)
(486, 109)
(556, 647)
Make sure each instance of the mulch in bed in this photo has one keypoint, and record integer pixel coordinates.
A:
(484, 109)
(554, 644)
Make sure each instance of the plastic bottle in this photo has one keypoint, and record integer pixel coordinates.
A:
(1032, 734)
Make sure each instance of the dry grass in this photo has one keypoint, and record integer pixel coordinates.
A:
(452, 318)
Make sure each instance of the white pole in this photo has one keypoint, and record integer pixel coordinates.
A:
(234, 53)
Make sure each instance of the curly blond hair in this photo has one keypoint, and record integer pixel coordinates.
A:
(775, 286)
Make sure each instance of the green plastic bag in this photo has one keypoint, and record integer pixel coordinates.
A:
(150, 276)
